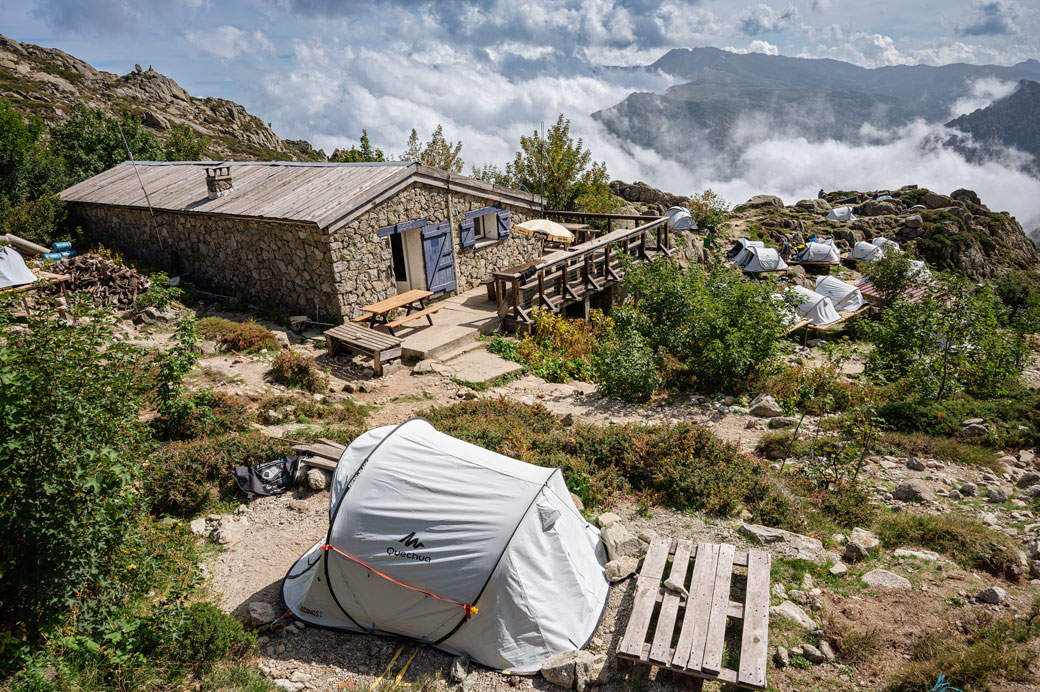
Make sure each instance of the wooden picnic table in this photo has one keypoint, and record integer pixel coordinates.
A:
(413, 300)
(583, 232)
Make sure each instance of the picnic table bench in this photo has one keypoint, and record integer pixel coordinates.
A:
(383, 348)
(413, 300)
(690, 635)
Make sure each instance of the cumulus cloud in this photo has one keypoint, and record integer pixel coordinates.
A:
(230, 41)
(982, 93)
(763, 19)
(756, 46)
(992, 17)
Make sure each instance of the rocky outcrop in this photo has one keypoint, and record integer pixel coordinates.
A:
(47, 82)
(641, 193)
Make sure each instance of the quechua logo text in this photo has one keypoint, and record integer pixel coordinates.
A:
(410, 541)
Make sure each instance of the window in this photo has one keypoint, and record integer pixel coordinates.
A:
(485, 227)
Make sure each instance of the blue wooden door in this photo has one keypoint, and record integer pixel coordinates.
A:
(439, 257)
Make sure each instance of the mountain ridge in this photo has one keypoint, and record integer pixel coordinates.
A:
(48, 81)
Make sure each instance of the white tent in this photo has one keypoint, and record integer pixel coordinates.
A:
(845, 297)
(841, 214)
(13, 271)
(742, 244)
(816, 308)
(679, 219)
(441, 541)
(760, 259)
(920, 271)
(865, 252)
(886, 244)
(822, 253)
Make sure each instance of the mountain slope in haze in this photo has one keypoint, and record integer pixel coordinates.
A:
(1013, 121)
(727, 97)
(47, 81)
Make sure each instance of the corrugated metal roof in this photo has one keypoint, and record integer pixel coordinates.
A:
(327, 194)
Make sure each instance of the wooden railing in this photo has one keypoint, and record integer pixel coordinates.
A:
(568, 276)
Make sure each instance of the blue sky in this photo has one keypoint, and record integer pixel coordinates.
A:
(491, 70)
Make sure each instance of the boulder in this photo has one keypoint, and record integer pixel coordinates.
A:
(912, 491)
(590, 669)
(259, 613)
(1027, 479)
(854, 552)
(839, 569)
(317, 479)
(913, 221)
(802, 547)
(965, 195)
(820, 206)
(915, 464)
(765, 406)
(812, 654)
(976, 429)
(886, 579)
(877, 207)
(199, 527)
(996, 495)
(607, 519)
(827, 651)
(1032, 491)
(760, 201)
(230, 531)
(969, 490)
(933, 200)
(621, 568)
(620, 542)
(559, 669)
(1026, 456)
(781, 657)
(918, 553)
(782, 422)
(994, 595)
(459, 669)
(864, 538)
(793, 612)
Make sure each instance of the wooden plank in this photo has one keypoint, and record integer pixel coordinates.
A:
(716, 636)
(648, 584)
(689, 650)
(399, 301)
(320, 463)
(670, 603)
(725, 675)
(754, 642)
(411, 317)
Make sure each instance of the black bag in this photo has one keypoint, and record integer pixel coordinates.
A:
(269, 478)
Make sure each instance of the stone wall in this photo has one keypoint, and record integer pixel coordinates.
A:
(288, 265)
(361, 257)
(299, 267)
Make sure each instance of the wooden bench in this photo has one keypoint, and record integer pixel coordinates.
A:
(690, 635)
(383, 348)
(412, 316)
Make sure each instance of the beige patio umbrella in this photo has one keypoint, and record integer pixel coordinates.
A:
(546, 228)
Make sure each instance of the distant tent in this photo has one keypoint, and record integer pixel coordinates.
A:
(13, 271)
(741, 244)
(679, 219)
(816, 308)
(845, 297)
(823, 253)
(886, 244)
(918, 207)
(864, 252)
(841, 214)
(920, 271)
(763, 259)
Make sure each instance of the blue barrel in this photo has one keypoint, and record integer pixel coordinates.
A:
(53, 256)
(67, 253)
(61, 247)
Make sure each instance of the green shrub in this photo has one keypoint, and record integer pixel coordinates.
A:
(202, 413)
(814, 391)
(159, 293)
(712, 329)
(1004, 416)
(185, 478)
(557, 349)
(71, 450)
(208, 635)
(216, 328)
(291, 408)
(965, 539)
(625, 367)
(944, 448)
(41, 220)
(250, 337)
(298, 371)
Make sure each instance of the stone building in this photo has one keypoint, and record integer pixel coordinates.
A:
(322, 239)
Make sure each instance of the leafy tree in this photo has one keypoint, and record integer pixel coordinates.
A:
(559, 169)
(1019, 292)
(366, 154)
(414, 150)
(41, 220)
(708, 209)
(185, 144)
(949, 342)
(91, 141)
(28, 167)
(490, 173)
(892, 274)
(442, 153)
(70, 446)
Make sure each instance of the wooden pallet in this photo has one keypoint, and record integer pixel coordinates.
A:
(690, 633)
(383, 348)
(323, 454)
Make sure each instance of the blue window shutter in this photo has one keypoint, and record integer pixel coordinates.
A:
(504, 227)
(439, 258)
(467, 234)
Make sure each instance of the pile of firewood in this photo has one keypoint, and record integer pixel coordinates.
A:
(108, 282)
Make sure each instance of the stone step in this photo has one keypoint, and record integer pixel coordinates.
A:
(477, 366)
(440, 340)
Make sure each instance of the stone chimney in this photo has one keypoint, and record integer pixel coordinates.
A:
(218, 181)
